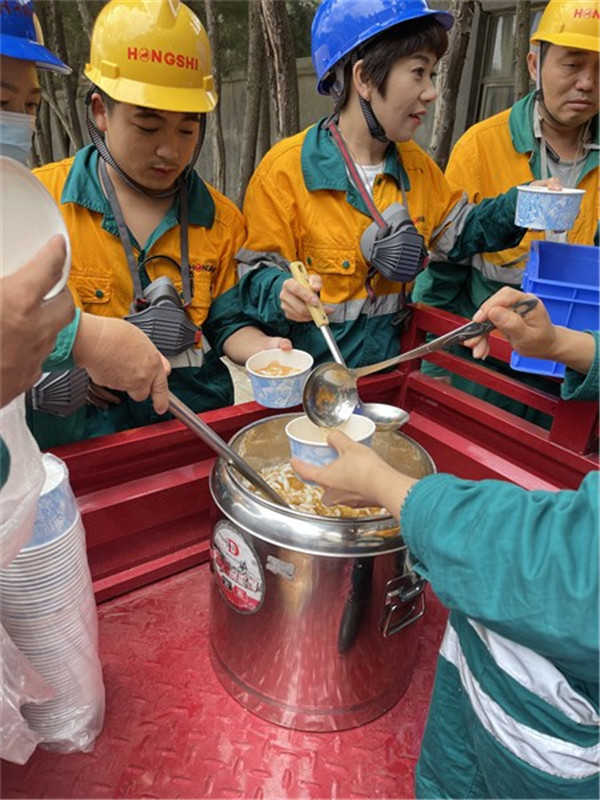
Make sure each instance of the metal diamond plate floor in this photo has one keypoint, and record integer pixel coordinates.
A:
(172, 731)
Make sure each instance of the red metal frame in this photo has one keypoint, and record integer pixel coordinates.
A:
(144, 493)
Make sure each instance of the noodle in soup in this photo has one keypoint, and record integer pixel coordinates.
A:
(308, 498)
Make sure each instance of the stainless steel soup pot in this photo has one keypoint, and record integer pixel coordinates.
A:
(314, 620)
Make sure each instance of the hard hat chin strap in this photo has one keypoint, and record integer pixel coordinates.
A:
(375, 128)
(99, 143)
(373, 124)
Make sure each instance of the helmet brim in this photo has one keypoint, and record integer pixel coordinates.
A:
(162, 98)
(575, 41)
(27, 50)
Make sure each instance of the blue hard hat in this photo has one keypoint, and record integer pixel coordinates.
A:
(21, 36)
(340, 26)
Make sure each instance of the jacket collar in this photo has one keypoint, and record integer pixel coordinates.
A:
(83, 188)
(323, 166)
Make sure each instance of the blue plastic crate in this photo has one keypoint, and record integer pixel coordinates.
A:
(566, 277)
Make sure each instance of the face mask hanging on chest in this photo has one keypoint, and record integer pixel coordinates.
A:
(397, 251)
(16, 133)
(391, 245)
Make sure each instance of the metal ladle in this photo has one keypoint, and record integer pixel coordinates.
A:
(330, 393)
(203, 431)
(385, 417)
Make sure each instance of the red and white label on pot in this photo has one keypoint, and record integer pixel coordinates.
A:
(236, 568)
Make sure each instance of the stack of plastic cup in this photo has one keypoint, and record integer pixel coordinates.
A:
(48, 608)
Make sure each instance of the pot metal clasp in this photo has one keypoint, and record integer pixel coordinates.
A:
(404, 603)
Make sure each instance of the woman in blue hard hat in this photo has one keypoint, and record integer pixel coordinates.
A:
(353, 196)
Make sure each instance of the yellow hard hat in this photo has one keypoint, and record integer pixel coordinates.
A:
(152, 53)
(570, 23)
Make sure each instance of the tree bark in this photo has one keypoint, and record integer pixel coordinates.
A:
(280, 52)
(522, 23)
(264, 125)
(215, 124)
(59, 92)
(448, 83)
(86, 17)
(70, 82)
(255, 77)
(42, 143)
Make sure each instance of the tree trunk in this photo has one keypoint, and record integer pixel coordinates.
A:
(256, 75)
(42, 141)
(86, 17)
(62, 101)
(449, 75)
(522, 23)
(264, 125)
(215, 124)
(70, 82)
(61, 128)
(280, 52)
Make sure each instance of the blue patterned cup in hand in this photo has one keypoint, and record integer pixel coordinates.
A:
(308, 441)
(278, 376)
(543, 209)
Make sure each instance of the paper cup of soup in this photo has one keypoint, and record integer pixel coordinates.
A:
(543, 209)
(278, 376)
(308, 442)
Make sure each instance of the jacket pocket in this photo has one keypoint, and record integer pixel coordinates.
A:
(341, 272)
(330, 260)
(90, 290)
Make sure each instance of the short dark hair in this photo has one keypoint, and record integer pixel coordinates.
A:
(381, 52)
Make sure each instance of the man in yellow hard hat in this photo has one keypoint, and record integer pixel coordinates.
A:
(152, 242)
(30, 324)
(553, 131)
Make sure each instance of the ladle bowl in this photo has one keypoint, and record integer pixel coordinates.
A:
(330, 394)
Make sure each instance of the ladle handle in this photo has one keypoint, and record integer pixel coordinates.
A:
(461, 334)
(185, 414)
(300, 274)
(318, 314)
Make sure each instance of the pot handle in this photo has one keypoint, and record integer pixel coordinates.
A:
(405, 596)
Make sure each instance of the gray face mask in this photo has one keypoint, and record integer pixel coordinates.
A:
(398, 251)
(164, 320)
(16, 132)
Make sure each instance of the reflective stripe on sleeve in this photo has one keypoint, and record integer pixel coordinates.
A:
(537, 675)
(543, 752)
(510, 275)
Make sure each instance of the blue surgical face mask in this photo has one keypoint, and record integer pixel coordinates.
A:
(16, 132)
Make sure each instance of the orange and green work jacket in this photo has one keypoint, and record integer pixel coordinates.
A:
(301, 205)
(492, 156)
(102, 285)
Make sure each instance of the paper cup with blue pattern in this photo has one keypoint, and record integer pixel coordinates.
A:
(308, 442)
(543, 209)
(278, 376)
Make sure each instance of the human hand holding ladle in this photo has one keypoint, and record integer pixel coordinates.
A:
(385, 417)
(330, 395)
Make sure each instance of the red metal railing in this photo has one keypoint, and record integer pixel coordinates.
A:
(144, 493)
